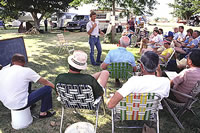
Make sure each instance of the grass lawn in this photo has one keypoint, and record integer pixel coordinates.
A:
(43, 57)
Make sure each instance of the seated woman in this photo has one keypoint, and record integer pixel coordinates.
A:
(164, 56)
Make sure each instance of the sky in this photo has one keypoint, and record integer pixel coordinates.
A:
(163, 10)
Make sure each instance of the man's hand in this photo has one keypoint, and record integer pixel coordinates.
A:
(94, 25)
(101, 33)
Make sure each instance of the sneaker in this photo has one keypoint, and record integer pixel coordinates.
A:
(100, 62)
(117, 83)
(96, 64)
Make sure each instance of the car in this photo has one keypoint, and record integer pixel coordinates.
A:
(79, 22)
(194, 20)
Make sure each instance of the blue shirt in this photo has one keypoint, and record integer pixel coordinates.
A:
(120, 55)
(194, 42)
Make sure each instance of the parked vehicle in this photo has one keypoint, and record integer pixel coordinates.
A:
(60, 20)
(194, 20)
(79, 22)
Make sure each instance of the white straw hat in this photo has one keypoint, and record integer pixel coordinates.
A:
(78, 60)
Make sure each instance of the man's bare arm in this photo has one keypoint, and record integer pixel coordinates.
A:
(46, 82)
(93, 26)
(114, 100)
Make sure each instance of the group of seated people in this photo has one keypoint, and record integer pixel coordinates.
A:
(15, 91)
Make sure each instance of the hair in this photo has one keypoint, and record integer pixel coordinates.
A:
(150, 61)
(157, 31)
(198, 33)
(190, 31)
(160, 31)
(18, 58)
(74, 69)
(194, 56)
(124, 40)
(155, 28)
(92, 13)
(182, 27)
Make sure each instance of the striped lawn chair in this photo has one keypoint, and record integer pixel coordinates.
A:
(137, 107)
(120, 70)
(78, 97)
(63, 45)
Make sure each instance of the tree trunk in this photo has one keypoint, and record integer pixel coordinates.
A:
(37, 20)
(113, 26)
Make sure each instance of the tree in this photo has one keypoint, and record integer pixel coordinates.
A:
(184, 9)
(138, 7)
(12, 7)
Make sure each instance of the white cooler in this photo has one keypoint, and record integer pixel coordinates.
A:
(80, 127)
(21, 118)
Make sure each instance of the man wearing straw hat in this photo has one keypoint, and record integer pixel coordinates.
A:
(77, 63)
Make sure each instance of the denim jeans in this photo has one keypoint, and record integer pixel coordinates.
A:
(94, 41)
(43, 94)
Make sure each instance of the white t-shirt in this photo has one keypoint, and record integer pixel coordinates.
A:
(14, 85)
(95, 32)
(146, 84)
(181, 36)
(155, 39)
(160, 38)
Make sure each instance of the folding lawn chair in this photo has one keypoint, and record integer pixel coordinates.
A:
(164, 65)
(181, 108)
(64, 45)
(78, 97)
(136, 107)
(120, 70)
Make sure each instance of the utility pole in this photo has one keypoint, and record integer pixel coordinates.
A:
(113, 25)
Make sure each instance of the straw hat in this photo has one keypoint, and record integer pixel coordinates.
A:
(78, 60)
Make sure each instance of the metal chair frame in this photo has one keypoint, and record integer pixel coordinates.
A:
(64, 45)
(137, 107)
(183, 107)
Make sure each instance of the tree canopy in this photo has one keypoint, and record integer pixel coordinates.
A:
(12, 7)
(185, 8)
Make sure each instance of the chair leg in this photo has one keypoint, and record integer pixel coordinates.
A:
(157, 122)
(61, 122)
(104, 111)
(173, 115)
(113, 126)
(97, 116)
(195, 114)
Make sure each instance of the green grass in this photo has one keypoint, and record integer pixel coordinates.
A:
(43, 57)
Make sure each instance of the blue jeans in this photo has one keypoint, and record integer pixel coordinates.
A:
(43, 94)
(94, 41)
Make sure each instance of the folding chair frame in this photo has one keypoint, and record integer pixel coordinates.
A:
(137, 115)
(64, 45)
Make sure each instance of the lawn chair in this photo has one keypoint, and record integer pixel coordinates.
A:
(120, 70)
(163, 66)
(78, 97)
(64, 45)
(181, 108)
(137, 107)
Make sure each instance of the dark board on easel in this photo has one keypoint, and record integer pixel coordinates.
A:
(9, 47)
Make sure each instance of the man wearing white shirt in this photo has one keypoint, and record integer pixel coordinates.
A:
(148, 83)
(181, 34)
(93, 32)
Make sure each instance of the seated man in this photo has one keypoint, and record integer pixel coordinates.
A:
(128, 32)
(191, 45)
(77, 63)
(120, 55)
(14, 85)
(164, 56)
(143, 84)
(186, 80)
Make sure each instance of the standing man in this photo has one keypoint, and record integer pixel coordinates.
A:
(14, 85)
(45, 24)
(93, 32)
(132, 24)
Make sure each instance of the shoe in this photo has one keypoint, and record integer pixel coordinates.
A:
(96, 64)
(100, 62)
(117, 83)
(49, 114)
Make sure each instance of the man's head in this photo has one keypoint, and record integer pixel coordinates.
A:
(127, 26)
(93, 15)
(132, 18)
(149, 61)
(124, 41)
(155, 28)
(77, 61)
(18, 59)
(167, 43)
(160, 31)
(194, 58)
(181, 29)
(169, 36)
(175, 29)
(155, 32)
(195, 34)
(189, 32)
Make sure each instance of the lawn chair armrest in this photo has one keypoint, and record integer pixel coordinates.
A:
(182, 94)
(97, 100)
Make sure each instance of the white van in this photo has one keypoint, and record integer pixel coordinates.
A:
(60, 20)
